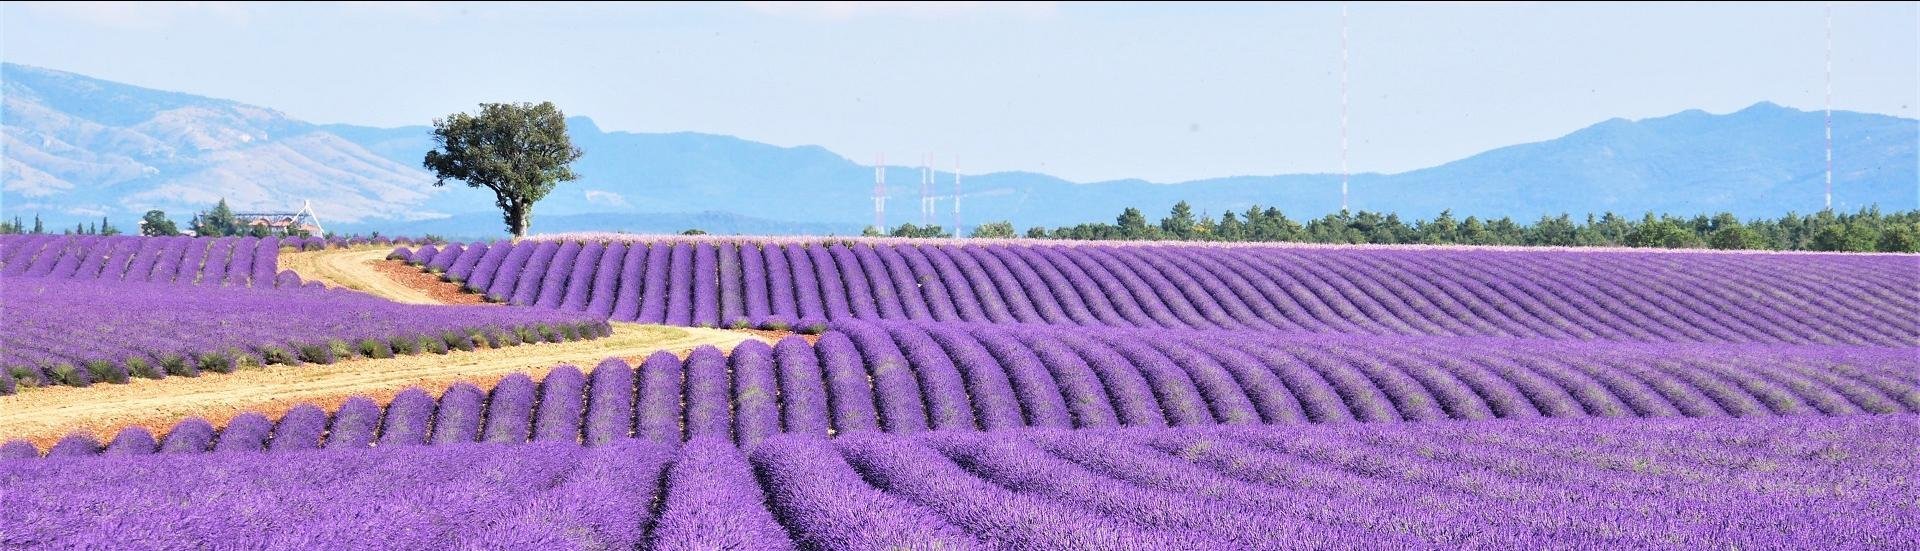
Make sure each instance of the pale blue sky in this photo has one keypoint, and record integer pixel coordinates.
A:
(1086, 92)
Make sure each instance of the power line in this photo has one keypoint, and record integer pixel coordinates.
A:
(1829, 105)
(1344, 172)
(880, 193)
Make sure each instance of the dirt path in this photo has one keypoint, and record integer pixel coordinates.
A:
(353, 268)
(43, 416)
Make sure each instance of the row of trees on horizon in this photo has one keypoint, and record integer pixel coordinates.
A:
(1868, 230)
(218, 222)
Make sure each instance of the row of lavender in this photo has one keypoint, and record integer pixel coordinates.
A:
(238, 261)
(1782, 483)
(224, 261)
(1621, 296)
(903, 378)
(78, 332)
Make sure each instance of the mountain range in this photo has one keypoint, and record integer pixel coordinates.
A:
(79, 148)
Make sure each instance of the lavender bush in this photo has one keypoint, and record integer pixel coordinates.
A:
(77, 331)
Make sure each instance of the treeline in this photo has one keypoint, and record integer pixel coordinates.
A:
(218, 222)
(17, 226)
(1867, 230)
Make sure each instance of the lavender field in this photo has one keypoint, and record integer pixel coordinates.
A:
(1706, 297)
(80, 331)
(1776, 483)
(1001, 395)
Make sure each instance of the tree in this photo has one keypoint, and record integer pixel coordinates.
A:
(1660, 232)
(910, 230)
(106, 228)
(218, 222)
(518, 150)
(156, 224)
(1133, 224)
(38, 228)
(1844, 237)
(1737, 237)
(994, 230)
(1037, 232)
(1900, 238)
(1442, 230)
(1473, 232)
(1179, 223)
(694, 231)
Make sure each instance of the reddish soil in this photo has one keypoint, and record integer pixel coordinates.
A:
(775, 336)
(412, 277)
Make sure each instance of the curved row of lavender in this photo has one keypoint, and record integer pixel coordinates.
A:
(1827, 299)
(232, 261)
(905, 378)
(82, 331)
(1780, 483)
(222, 261)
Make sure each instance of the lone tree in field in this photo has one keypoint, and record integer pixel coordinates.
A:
(518, 150)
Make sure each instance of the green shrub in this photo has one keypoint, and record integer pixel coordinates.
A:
(140, 367)
(406, 344)
(176, 364)
(105, 371)
(24, 375)
(217, 362)
(374, 348)
(433, 344)
(66, 374)
(341, 350)
(277, 355)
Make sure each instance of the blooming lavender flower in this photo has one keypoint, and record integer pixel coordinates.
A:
(577, 283)
(661, 399)
(75, 445)
(714, 502)
(510, 410)
(610, 401)
(803, 396)
(654, 293)
(355, 425)
(247, 432)
(610, 282)
(526, 290)
(553, 284)
(459, 415)
(562, 395)
(131, 441)
(705, 279)
(190, 436)
(756, 393)
(406, 419)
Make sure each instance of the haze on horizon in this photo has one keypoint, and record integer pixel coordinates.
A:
(1085, 92)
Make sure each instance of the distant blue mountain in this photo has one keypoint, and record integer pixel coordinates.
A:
(488, 225)
(79, 147)
(1764, 160)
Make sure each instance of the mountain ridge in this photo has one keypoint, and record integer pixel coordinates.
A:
(84, 147)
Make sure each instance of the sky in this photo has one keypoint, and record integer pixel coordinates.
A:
(1088, 92)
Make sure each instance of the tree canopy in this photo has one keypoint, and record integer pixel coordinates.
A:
(1866, 230)
(518, 150)
(156, 224)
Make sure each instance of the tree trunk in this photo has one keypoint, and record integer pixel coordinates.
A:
(520, 219)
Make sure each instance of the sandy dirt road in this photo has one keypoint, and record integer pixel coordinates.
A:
(44, 415)
(353, 268)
